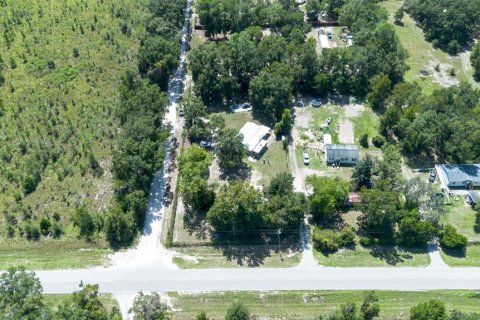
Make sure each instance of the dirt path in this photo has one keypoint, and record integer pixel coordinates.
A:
(345, 132)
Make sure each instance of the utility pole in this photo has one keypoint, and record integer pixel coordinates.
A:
(279, 232)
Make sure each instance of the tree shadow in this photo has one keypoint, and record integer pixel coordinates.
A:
(392, 256)
(242, 172)
(456, 253)
(195, 224)
(253, 255)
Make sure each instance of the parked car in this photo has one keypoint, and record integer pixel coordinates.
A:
(432, 176)
(246, 106)
(329, 35)
(181, 111)
(234, 107)
(205, 144)
(306, 158)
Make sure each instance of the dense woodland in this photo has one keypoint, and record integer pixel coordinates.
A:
(81, 133)
(449, 24)
(60, 65)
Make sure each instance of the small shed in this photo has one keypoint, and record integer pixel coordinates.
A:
(341, 154)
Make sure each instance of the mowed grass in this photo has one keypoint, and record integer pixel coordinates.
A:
(462, 217)
(236, 256)
(51, 254)
(276, 161)
(306, 305)
(469, 258)
(421, 52)
(376, 256)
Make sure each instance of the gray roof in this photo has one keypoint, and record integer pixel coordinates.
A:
(475, 196)
(337, 151)
(462, 172)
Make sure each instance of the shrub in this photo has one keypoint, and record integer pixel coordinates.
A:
(364, 140)
(45, 226)
(330, 241)
(237, 311)
(32, 231)
(451, 239)
(378, 141)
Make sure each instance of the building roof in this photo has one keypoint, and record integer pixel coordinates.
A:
(324, 43)
(342, 151)
(253, 134)
(461, 172)
(327, 138)
(475, 196)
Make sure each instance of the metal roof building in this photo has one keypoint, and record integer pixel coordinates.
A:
(339, 154)
(255, 138)
(459, 175)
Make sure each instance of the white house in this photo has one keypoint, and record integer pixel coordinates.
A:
(459, 175)
(255, 138)
(324, 43)
(341, 154)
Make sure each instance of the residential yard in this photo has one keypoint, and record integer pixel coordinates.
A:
(237, 256)
(375, 256)
(471, 258)
(422, 55)
(462, 217)
(276, 161)
(52, 254)
(308, 305)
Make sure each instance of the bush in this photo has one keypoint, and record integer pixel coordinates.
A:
(364, 140)
(32, 231)
(451, 239)
(367, 241)
(330, 241)
(378, 141)
(45, 226)
(237, 311)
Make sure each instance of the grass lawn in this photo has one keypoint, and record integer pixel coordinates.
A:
(367, 123)
(276, 162)
(307, 305)
(471, 258)
(237, 256)
(51, 254)
(378, 256)
(421, 52)
(462, 217)
(236, 120)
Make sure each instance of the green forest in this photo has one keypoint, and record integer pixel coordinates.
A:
(77, 79)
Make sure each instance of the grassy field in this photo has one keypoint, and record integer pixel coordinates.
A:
(471, 257)
(276, 161)
(54, 254)
(378, 256)
(63, 62)
(308, 305)
(462, 217)
(422, 55)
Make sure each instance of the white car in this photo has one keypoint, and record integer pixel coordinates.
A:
(306, 158)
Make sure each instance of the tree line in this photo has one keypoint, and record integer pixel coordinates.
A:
(450, 25)
(272, 67)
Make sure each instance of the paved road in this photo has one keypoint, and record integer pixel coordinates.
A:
(124, 280)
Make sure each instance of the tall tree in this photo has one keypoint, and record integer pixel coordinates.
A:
(475, 60)
(430, 310)
(270, 91)
(230, 150)
(329, 195)
(21, 295)
(362, 175)
(236, 209)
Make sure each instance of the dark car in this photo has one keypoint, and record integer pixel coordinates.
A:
(205, 144)
(432, 176)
